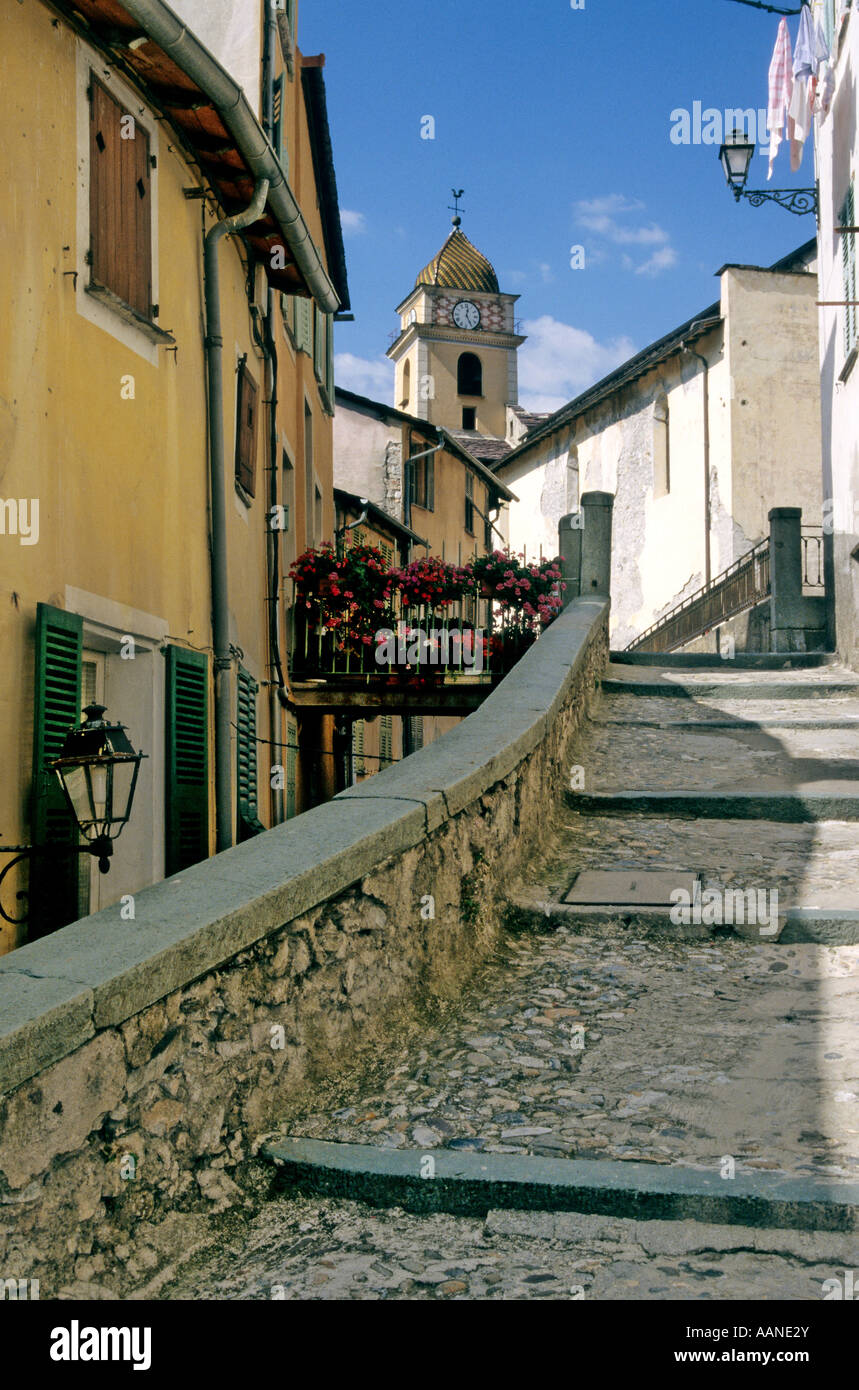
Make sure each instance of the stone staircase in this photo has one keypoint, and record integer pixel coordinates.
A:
(742, 777)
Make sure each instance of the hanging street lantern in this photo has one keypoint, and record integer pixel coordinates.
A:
(97, 770)
(736, 157)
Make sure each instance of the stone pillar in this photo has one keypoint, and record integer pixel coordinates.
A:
(787, 608)
(596, 544)
(570, 551)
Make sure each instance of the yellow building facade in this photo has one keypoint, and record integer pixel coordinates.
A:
(118, 163)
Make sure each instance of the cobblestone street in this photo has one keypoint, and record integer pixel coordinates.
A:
(615, 1042)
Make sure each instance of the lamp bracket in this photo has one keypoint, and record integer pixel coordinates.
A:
(796, 200)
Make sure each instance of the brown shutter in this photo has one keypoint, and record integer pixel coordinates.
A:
(120, 204)
(246, 430)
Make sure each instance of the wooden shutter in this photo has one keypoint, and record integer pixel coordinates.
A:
(246, 430)
(53, 898)
(120, 202)
(187, 758)
(246, 756)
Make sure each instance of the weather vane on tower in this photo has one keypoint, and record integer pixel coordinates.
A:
(457, 194)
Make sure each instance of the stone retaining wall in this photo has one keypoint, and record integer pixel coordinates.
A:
(141, 1063)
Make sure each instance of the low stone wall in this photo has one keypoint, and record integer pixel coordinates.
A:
(142, 1062)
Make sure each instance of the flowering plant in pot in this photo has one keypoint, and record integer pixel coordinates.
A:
(433, 583)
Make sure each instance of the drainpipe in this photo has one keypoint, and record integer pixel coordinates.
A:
(707, 567)
(220, 588)
(276, 677)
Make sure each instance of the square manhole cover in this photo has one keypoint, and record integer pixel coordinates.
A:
(630, 887)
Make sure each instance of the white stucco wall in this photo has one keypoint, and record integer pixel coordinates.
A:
(838, 160)
(362, 444)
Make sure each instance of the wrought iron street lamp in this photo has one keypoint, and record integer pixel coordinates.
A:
(97, 770)
(736, 158)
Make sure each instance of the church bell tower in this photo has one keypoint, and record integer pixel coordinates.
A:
(455, 354)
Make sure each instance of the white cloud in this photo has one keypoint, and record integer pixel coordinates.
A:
(559, 361)
(373, 377)
(602, 216)
(353, 223)
(663, 259)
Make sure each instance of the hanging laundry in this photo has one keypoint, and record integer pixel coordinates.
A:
(805, 62)
(780, 90)
(801, 119)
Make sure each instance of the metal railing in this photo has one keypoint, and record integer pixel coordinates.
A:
(462, 643)
(812, 557)
(743, 585)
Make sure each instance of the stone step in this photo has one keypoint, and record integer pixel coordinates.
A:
(740, 689)
(807, 803)
(669, 712)
(814, 867)
(731, 682)
(743, 661)
(748, 759)
(472, 1184)
(819, 926)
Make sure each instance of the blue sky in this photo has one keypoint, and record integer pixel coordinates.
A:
(557, 123)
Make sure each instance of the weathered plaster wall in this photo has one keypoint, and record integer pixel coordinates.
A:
(838, 163)
(141, 1063)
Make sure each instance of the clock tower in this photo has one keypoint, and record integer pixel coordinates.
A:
(455, 353)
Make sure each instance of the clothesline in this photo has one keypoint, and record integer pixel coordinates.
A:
(771, 9)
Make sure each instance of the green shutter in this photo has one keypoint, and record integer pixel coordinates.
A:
(53, 900)
(246, 755)
(320, 353)
(359, 767)
(291, 759)
(304, 323)
(187, 758)
(848, 258)
(386, 740)
(329, 362)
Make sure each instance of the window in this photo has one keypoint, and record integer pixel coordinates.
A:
(847, 218)
(120, 250)
(469, 375)
(406, 394)
(247, 404)
(661, 446)
(422, 481)
(417, 731)
(469, 503)
(469, 417)
(387, 554)
(249, 823)
(317, 514)
(186, 758)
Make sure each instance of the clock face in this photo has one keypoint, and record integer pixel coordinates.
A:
(466, 314)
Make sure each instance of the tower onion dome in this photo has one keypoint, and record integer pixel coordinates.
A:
(459, 266)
